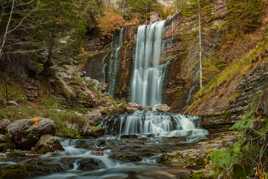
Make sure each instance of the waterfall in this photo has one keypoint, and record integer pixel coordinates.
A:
(157, 124)
(149, 74)
(114, 61)
(146, 89)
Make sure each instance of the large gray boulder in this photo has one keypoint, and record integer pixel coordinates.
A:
(25, 133)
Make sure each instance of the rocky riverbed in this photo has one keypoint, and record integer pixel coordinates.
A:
(113, 157)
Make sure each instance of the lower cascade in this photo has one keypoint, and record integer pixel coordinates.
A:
(155, 123)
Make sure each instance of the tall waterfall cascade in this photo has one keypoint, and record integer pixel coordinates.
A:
(114, 62)
(146, 89)
(149, 74)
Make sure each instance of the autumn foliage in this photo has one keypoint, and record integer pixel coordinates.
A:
(110, 21)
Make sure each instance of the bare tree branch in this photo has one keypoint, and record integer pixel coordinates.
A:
(7, 27)
(21, 21)
(25, 51)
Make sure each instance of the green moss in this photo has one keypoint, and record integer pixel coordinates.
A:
(210, 68)
(11, 91)
(65, 118)
(241, 159)
(238, 68)
(51, 102)
(49, 108)
(20, 112)
(244, 15)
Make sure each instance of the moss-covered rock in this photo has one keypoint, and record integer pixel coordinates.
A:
(26, 132)
(29, 168)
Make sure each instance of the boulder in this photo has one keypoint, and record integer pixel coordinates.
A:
(3, 125)
(89, 164)
(94, 132)
(48, 143)
(25, 133)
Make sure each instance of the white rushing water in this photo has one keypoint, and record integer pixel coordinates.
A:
(71, 150)
(158, 124)
(149, 74)
(114, 61)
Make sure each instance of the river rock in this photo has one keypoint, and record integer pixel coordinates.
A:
(3, 125)
(29, 168)
(94, 132)
(25, 133)
(89, 164)
(48, 143)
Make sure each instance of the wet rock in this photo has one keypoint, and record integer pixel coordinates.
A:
(132, 107)
(3, 125)
(94, 132)
(127, 156)
(68, 162)
(29, 168)
(100, 143)
(48, 143)
(133, 136)
(195, 157)
(25, 133)
(89, 164)
(161, 108)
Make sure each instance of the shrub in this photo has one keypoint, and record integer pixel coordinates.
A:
(110, 22)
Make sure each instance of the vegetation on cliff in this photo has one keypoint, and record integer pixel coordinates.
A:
(46, 44)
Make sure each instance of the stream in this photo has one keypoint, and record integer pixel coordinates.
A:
(131, 149)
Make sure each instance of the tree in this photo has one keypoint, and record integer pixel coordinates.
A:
(39, 33)
(7, 28)
(200, 46)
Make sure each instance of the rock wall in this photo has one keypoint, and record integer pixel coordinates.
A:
(178, 81)
(248, 89)
(127, 59)
(94, 68)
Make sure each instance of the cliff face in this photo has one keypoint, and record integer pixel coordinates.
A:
(227, 39)
(231, 48)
